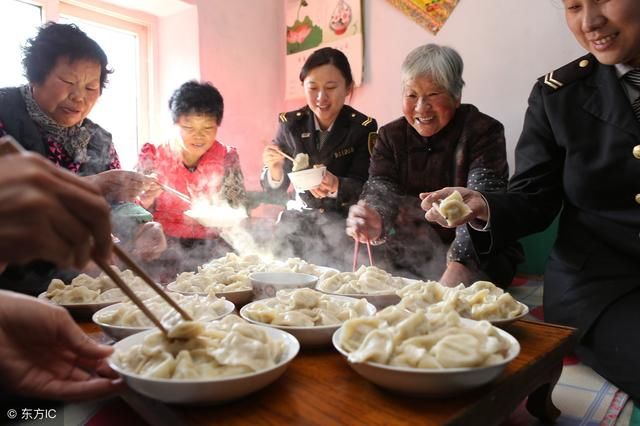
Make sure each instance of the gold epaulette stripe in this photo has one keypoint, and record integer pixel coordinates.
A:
(552, 82)
(283, 117)
(367, 121)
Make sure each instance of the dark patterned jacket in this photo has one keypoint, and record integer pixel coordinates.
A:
(579, 152)
(345, 153)
(470, 151)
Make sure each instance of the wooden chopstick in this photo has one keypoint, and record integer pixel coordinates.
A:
(175, 192)
(356, 249)
(147, 279)
(285, 155)
(125, 288)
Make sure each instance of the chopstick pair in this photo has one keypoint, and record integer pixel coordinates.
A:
(356, 249)
(8, 145)
(175, 192)
(147, 279)
(285, 155)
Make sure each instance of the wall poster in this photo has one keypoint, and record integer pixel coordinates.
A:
(431, 14)
(313, 24)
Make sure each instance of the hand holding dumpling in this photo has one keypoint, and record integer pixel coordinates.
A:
(473, 200)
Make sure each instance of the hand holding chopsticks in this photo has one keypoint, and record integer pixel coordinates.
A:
(175, 192)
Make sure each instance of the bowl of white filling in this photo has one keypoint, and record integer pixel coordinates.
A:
(309, 315)
(204, 363)
(124, 319)
(425, 355)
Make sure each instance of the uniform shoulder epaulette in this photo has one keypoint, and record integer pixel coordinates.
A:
(361, 118)
(288, 117)
(569, 73)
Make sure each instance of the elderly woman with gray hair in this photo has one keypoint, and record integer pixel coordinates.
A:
(438, 142)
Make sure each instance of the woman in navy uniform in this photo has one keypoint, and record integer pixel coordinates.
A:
(334, 135)
(579, 154)
(438, 141)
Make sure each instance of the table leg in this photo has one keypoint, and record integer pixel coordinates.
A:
(539, 403)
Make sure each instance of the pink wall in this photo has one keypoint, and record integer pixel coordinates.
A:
(241, 53)
(506, 45)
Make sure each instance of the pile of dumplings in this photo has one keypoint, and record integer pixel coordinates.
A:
(200, 308)
(480, 301)
(368, 280)
(400, 338)
(85, 289)
(305, 307)
(228, 347)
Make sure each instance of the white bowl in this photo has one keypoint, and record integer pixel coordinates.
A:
(80, 310)
(309, 336)
(431, 382)
(205, 391)
(307, 179)
(267, 284)
(217, 217)
(118, 332)
(238, 298)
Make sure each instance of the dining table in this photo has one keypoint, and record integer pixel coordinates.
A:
(320, 388)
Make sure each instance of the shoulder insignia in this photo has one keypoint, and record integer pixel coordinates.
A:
(371, 141)
(283, 117)
(368, 121)
(569, 73)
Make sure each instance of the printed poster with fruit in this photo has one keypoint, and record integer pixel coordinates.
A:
(313, 24)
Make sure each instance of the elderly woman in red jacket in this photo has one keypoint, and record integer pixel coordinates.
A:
(198, 165)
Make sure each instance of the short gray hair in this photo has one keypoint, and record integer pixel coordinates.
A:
(440, 63)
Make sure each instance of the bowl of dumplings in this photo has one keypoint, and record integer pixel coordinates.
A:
(203, 363)
(424, 354)
(307, 179)
(124, 319)
(309, 315)
(376, 285)
(85, 294)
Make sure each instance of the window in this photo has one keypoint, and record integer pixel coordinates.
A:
(20, 21)
(123, 108)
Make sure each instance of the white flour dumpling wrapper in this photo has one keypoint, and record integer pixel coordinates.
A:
(453, 208)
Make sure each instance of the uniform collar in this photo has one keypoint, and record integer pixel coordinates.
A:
(317, 125)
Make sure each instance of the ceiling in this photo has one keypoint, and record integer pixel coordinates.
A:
(154, 7)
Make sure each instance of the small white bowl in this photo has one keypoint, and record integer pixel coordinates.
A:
(267, 284)
(309, 336)
(208, 391)
(217, 217)
(118, 332)
(429, 382)
(307, 179)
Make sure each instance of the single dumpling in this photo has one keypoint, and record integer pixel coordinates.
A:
(453, 208)
(300, 162)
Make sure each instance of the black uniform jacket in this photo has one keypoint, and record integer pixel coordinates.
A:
(345, 153)
(576, 153)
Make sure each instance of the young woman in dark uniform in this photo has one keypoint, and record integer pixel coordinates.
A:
(579, 153)
(334, 135)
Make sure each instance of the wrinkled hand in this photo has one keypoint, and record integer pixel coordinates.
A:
(274, 161)
(473, 199)
(330, 184)
(364, 223)
(456, 274)
(152, 191)
(49, 213)
(44, 354)
(149, 241)
(121, 185)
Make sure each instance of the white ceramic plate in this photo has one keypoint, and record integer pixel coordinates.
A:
(205, 391)
(79, 310)
(217, 217)
(434, 383)
(118, 332)
(308, 336)
(380, 301)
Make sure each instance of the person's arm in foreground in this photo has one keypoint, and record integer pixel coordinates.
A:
(44, 354)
